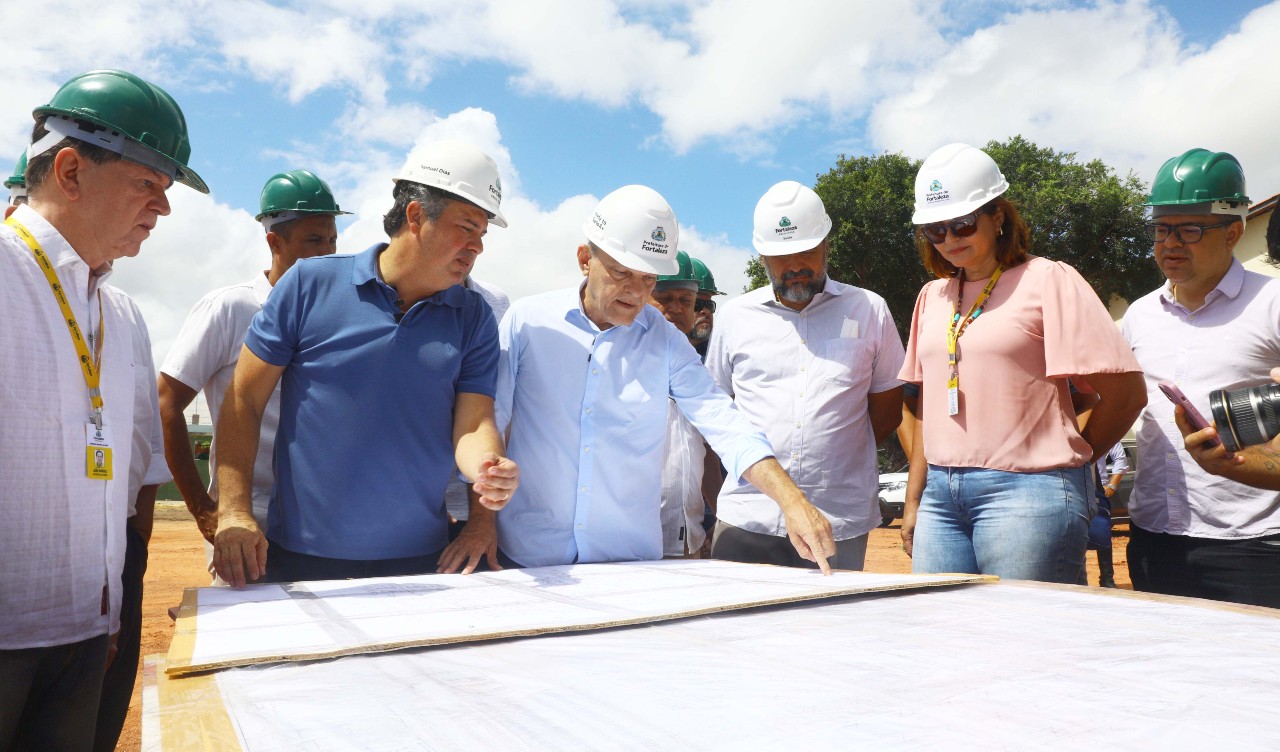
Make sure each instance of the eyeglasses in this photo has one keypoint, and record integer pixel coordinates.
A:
(1185, 233)
(961, 227)
(704, 305)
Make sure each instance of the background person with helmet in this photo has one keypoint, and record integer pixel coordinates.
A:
(592, 472)
(17, 184)
(1001, 479)
(78, 379)
(815, 362)
(682, 507)
(1213, 326)
(386, 367)
(704, 308)
(297, 213)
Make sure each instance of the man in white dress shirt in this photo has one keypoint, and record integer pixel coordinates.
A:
(104, 152)
(297, 211)
(814, 363)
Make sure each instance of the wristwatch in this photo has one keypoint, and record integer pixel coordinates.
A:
(1111, 486)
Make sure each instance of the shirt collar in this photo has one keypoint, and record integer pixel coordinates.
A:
(829, 288)
(261, 288)
(575, 312)
(63, 257)
(1230, 285)
(365, 270)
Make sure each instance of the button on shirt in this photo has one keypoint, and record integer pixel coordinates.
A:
(365, 444)
(1231, 341)
(805, 377)
(587, 411)
(61, 532)
(204, 357)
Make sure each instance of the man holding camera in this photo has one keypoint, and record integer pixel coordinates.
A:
(1213, 326)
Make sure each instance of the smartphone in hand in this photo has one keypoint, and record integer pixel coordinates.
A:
(1194, 417)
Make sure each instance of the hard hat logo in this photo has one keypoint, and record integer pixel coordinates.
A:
(935, 186)
(784, 222)
(659, 234)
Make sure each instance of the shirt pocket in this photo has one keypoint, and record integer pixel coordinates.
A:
(846, 360)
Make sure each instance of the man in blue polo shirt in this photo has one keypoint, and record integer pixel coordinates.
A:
(387, 369)
(584, 382)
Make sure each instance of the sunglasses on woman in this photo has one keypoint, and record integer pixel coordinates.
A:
(961, 227)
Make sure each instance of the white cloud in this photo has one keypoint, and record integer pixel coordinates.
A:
(1115, 81)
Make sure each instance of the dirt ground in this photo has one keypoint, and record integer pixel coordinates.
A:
(177, 562)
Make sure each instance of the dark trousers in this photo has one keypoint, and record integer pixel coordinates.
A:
(732, 543)
(289, 566)
(1238, 571)
(117, 685)
(49, 696)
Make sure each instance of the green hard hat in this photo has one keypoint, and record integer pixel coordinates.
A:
(152, 125)
(706, 282)
(19, 177)
(1201, 176)
(298, 192)
(683, 277)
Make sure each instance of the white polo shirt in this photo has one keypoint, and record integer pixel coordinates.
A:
(804, 378)
(204, 357)
(62, 533)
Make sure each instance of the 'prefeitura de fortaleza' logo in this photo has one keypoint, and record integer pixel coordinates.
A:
(937, 193)
(785, 228)
(659, 235)
(657, 242)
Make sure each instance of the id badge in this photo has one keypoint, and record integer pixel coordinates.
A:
(953, 397)
(97, 452)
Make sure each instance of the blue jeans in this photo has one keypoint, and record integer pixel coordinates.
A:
(1019, 526)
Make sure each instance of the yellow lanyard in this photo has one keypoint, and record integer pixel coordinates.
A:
(958, 325)
(89, 364)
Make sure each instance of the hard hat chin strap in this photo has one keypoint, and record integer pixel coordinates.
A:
(61, 127)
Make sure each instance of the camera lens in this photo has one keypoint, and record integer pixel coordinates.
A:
(1246, 417)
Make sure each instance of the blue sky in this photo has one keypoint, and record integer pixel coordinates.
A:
(708, 101)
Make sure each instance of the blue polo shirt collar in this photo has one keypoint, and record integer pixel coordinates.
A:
(365, 270)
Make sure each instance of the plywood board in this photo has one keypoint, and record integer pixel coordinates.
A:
(221, 627)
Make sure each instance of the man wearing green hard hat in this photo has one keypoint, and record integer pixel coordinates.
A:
(704, 308)
(78, 386)
(1213, 325)
(683, 461)
(17, 184)
(297, 211)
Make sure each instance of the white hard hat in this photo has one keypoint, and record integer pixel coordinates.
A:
(461, 169)
(954, 181)
(636, 226)
(790, 218)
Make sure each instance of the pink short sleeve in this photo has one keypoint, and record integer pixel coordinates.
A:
(1079, 336)
(911, 369)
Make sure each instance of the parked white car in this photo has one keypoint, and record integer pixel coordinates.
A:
(893, 496)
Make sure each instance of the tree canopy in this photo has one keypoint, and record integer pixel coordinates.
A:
(1082, 213)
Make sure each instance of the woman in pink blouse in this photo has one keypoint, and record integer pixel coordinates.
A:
(1001, 482)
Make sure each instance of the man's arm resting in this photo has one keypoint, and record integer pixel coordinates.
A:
(885, 411)
(808, 529)
(175, 396)
(479, 451)
(240, 548)
(916, 478)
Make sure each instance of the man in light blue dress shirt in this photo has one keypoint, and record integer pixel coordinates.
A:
(584, 379)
